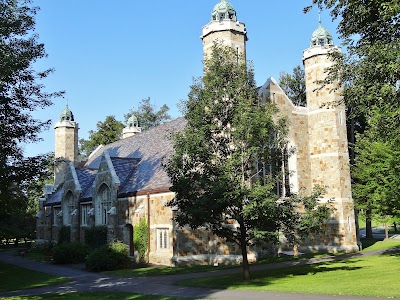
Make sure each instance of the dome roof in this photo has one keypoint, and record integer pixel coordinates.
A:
(321, 37)
(223, 10)
(132, 122)
(67, 115)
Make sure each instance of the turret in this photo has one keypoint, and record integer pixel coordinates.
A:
(224, 28)
(328, 148)
(132, 127)
(66, 142)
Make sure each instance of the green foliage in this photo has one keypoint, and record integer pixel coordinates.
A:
(148, 115)
(377, 175)
(21, 93)
(109, 257)
(70, 253)
(106, 132)
(140, 238)
(294, 85)
(64, 235)
(96, 236)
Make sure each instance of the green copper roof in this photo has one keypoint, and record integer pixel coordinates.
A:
(223, 11)
(132, 122)
(67, 115)
(321, 37)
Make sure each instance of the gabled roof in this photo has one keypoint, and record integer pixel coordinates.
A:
(138, 159)
(86, 177)
(126, 170)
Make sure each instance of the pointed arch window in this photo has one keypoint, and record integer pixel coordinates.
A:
(104, 195)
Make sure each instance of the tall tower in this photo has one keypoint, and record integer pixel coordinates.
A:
(328, 152)
(66, 143)
(224, 28)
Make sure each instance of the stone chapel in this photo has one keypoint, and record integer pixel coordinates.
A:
(124, 182)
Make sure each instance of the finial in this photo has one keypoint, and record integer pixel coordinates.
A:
(67, 102)
(319, 16)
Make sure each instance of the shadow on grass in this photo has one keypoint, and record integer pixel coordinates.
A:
(395, 252)
(368, 242)
(95, 296)
(271, 275)
(267, 277)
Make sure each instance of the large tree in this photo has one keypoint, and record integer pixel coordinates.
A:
(106, 132)
(370, 74)
(213, 168)
(20, 93)
(294, 85)
(149, 115)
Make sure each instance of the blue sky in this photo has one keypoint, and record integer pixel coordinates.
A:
(108, 55)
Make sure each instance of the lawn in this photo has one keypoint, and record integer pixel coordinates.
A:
(14, 278)
(365, 276)
(94, 296)
(368, 244)
(164, 270)
(376, 244)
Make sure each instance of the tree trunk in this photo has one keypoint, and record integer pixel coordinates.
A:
(395, 227)
(243, 246)
(295, 250)
(386, 232)
(368, 224)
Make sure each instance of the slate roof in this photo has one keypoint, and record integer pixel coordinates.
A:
(138, 159)
(55, 198)
(126, 170)
(86, 177)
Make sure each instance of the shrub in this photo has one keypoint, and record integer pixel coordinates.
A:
(70, 253)
(64, 235)
(109, 257)
(44, 248)
(140, 238)
(96, 236)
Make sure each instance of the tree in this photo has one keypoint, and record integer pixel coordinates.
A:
(20, 94)
(212, 170)
(376, 173)
(107, 132)
(294, 85)
(148, 115)
(370, 72)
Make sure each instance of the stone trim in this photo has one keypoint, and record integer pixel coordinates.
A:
(75, 177)
(157, 226)
(212, 259)
(115, 178)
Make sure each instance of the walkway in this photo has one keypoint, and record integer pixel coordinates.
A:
(164, 285)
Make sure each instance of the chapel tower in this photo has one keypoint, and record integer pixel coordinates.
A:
(328, 148)
(224, 28)
(66, 143)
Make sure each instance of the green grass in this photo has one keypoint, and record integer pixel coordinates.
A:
(94, 296)
(163, 270)
(378, 244)
(364, 276)
(15, 278)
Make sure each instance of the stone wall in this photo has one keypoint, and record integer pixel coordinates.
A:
(228, 32)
